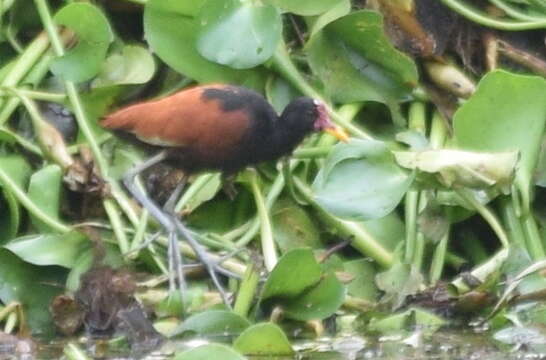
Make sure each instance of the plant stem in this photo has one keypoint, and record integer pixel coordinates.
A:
(514, 11)
(438, 259)
(247, 291)
(22, 197)
(362, 240)
(312, 152)
(482, 18)
(486, 213)
(512, 222)
(268, 243)
(34, 95)
(534, 242)
(483, 271)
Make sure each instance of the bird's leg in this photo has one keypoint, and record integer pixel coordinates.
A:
(165, 220)
(211, 266)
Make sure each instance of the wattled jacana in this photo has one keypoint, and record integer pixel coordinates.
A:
(213, 127)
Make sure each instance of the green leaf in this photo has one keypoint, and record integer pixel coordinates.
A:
(49, 178)
(49, 249)
(506, 113)
(319, 302)
(282, 282)
(209, 352)
(254, 32)
(356, 62)
(266, 339)
(171, 30)
(363, 283)
(340, 9)
(213, 322)
(305, 7)
(34, 287)
(400, 281)
(133, 65)
(294, 228)
(17, 168)
(463, 168)
(361, 181)
(94, 36)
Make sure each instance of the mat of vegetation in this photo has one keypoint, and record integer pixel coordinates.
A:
(431, 216)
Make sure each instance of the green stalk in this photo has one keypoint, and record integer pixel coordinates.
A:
(266, 229)
(140, 232)
(73, 352)
(486, 213)
(362, 240)
(34, 76)
(480, 17)
(512, 222)
(247, 291)
(417, 122)
(513, 11)
(483, 271)
(312, 152)
(34, 95)
(196, 186)
(534, 242)
(22, 197)
(439, 259)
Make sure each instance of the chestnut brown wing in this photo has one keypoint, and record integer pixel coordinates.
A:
(186, 119)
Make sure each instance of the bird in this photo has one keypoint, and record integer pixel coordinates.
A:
(212, 127)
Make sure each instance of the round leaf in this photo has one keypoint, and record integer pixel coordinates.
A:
(49, 178)
(254, 32)
(213, 322)
(134, 65)
(94, 36)
(361, 181)
(170, 28)
(209, 352)
(265, 339)
(282, 282)
(506, 113)
(319, 302)
(49, 249)
(305, 7)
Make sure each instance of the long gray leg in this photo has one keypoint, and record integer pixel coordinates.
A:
(165, 220)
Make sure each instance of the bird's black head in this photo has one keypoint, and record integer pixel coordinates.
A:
(304, 115)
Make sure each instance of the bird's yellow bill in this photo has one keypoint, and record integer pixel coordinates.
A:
(338, 133)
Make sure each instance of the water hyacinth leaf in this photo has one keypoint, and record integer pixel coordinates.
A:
(213, 322)
(254, 32)
(389, 230)
(506, 113)
(209, 352)
(361, 181)
(400, 281)
(49, 178)
(212, 184)
(363, 284)
(319, 302)
(356, 62)
(266, 339)
(340, 9)
(94, 34)
(18, 171)
(282, 282)
(33, 286)
(294, 228)
(49, 249)
(462, 168)
(170, 28)
(133, 65)
(305, 7)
